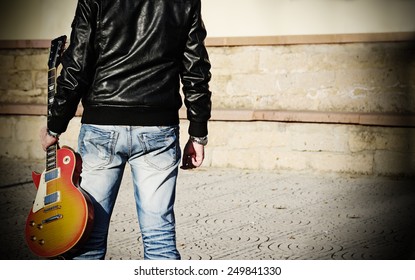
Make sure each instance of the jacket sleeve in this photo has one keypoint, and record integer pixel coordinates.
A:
(77, 69)
(196, 76)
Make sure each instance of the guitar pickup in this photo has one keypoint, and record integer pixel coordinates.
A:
(52, 174)
(52, 198)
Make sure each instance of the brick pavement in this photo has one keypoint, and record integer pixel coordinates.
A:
(242, 214)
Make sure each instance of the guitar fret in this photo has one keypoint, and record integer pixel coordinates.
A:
(51, 157)
(50, 164)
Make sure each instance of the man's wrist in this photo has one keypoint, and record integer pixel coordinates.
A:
(53, 134)
(200, 140)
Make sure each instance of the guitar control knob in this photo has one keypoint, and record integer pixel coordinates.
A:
(32, 223)
(40, 226)
(66, 160)
(33, 238)
(41, 241)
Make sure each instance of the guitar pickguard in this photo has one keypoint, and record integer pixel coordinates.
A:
(42, 197)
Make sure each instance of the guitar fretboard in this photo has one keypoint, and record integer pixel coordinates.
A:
(51, 157)
(51, 151)
(51, 88)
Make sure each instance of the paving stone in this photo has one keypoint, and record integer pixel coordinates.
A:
(238, 214)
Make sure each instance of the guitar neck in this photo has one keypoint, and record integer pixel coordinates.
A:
(51, 89)
(51, 157)
(57, 47)
(52, 150)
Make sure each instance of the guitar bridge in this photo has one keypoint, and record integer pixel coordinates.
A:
(52, 208)
(53, 218)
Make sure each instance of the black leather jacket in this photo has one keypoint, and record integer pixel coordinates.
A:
(125, 62)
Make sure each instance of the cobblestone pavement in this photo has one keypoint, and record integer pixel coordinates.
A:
(239, 214)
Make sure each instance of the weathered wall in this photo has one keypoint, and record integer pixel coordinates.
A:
(364, 77)
(371, 77)
(23, 76)
(375, 77)
(261, 145)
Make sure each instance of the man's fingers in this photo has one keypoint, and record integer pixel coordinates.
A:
(197, 161)
(193, 155)
(187, 163)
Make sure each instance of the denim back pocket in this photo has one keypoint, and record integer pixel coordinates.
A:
(96, 146)
(162, 149)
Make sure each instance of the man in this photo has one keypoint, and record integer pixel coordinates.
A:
(125, 61)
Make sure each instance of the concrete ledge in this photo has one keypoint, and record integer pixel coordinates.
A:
(374, 119)
(310, 39)
(377, 119)
(258, 40)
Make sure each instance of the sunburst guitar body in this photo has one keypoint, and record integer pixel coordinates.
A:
(62, 213)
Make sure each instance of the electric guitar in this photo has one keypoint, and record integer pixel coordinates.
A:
(62, 213)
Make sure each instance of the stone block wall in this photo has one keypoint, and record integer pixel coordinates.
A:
(354, 78)
(350, 149)
(23, 76)
(360, 77)
(312, 147)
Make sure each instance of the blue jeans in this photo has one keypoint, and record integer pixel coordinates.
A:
(154, 155)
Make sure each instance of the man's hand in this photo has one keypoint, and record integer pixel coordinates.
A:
(193, 155)
(46, 140)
